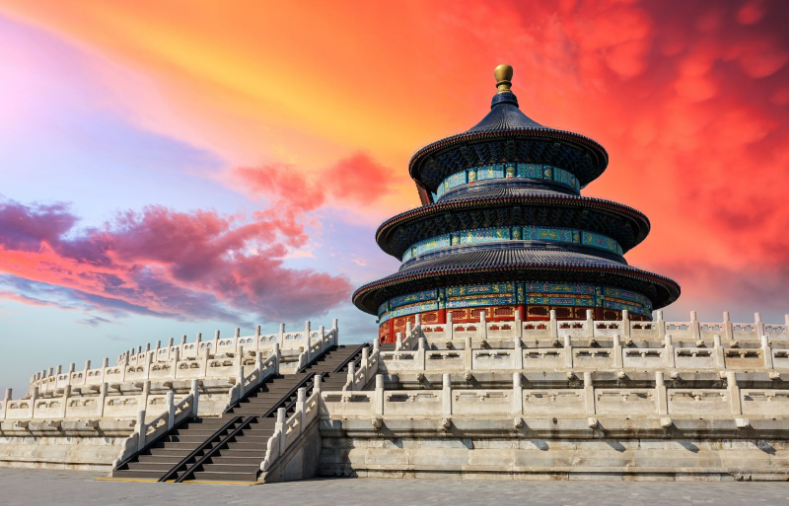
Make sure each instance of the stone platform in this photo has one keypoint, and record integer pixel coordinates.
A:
(33, 487)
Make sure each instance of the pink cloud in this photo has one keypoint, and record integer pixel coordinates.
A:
(355, 180)
(163, 262)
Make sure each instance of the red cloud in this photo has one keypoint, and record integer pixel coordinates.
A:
(357, 179)
(162, 262)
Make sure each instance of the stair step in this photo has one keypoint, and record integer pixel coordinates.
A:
(231, 468)
(160, 459)
(147, 466)
(214, 476)
(240, 445)
(171, 452)
(151, 475)
(256, 460)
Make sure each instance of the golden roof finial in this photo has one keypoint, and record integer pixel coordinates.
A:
(503, 75)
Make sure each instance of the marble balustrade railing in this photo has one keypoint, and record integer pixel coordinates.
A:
(661, 403)
(628, 330)
(566, 356)
(107, 404)
(288, 429)
(368, 368)
(201, 359)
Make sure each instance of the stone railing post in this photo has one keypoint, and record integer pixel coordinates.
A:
(64, 401)
(301, 400)
(409, 335)
(589, 400)
(379, 395)
(85, 372)
(468, 354)
(518, 325)
(517, 394)
(351, 374)
(447, 394)
(589, 330)
(275, 354)
(176, 356)
(148, 363)
(568, 352)
(421, 353)
(695, 326)
(662, 394)
(257, 337)
(398, 341)
(6, 400)
(626, 324)
(281, 335)
(553, 326)
(728, 327)
(661, 325)
(280, 427)
(146, 391)
(214, 343)
(307, 332)
(671, 361)
(324, 345)
(717, 347)
(239, 356)
(517, 350)
(450, 325)
(734, 394)
(195, 392)
(767, 351)
(365, 364)
(618, 352)
(758, 323)
(139, 428)
(335, 326)
(259, 364)
(33, 399)
(241, 386)
(102, 400)
(482, 331)
(170, 409)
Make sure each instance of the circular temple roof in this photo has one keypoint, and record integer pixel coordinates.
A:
(521, 264)
(508, 206)
(505, 134)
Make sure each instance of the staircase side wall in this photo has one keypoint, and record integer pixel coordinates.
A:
(300, 462)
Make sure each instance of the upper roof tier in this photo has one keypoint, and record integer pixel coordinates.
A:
(507, 135)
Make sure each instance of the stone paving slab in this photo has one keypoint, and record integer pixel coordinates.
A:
(63, 488)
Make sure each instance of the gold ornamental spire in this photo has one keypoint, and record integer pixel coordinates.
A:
(503, 75)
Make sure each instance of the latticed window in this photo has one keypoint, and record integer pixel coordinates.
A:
(563, 312)
(430, 318)
(503, 311)
(538, 311)
(459, 314)
(476, 312)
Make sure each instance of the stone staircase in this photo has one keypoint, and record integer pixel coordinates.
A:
(231, 447)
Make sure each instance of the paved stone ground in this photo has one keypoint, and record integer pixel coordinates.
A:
(63, 488)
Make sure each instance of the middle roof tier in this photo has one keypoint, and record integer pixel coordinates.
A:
(513, 206)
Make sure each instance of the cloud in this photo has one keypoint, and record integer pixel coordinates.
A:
(163, 263)
(352, 181)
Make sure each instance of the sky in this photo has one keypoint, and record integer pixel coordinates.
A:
(169, 168)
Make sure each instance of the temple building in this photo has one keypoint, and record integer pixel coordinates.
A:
(504, 231)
